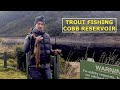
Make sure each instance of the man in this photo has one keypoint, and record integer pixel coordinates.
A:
(39, 40)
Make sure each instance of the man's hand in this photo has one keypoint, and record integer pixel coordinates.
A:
(38, 39)
(56, 52)
(37, 65)
(33, 35)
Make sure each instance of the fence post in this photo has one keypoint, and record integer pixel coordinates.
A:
(56, 67)
(27, 69)
(5, 59)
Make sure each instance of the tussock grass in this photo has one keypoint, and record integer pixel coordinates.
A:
(67, 70)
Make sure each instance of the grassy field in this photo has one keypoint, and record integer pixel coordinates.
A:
(10, 72)
(67, 71)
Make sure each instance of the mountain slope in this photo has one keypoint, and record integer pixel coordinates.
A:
(18, 23)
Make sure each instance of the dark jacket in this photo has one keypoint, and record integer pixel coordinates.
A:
(45, 45)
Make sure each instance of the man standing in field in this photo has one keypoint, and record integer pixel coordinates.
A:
(38, 42)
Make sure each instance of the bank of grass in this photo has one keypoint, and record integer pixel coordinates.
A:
(67, 71)
(11, 72)
(62, 76)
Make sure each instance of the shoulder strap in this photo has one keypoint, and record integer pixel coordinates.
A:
(31, 42)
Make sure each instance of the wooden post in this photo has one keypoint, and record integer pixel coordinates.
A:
(27, 69)
(52, 65)
(5, 59)
(56, 67)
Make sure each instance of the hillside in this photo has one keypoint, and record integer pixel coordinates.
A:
(18, 23)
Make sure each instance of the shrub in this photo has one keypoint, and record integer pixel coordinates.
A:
(21, 58)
